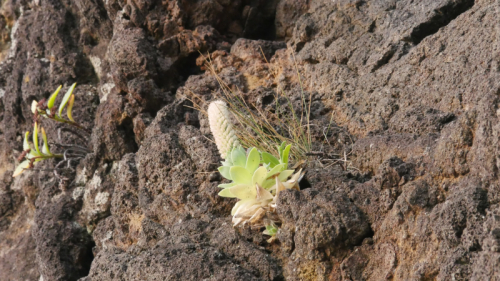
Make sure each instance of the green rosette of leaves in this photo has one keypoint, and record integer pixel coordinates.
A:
(257, 178)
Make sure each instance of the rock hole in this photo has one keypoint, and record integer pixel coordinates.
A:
(442, 17)
(304, 184)
(267, 100)
(87, 258)
(127, 127)
(187, 66)
(299, 46)
(312, 61)
(18, 112)
(372, 27)
(260, 21)
(385, 58)
(367, 239)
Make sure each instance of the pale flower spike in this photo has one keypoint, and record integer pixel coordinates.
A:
(222, 128)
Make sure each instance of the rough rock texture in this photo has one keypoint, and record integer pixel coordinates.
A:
(404, 98)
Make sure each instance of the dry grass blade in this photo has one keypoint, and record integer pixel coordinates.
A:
(261, 128)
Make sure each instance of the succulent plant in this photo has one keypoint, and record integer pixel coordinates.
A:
(40, 149)
(47, 110)
(34, 154)
(256, 177)
(257, 184)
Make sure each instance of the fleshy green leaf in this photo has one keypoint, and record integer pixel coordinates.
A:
(224, 171)
(253, 160)
(21, 167)
(35, 138)
(276, 169)
(70, 108)
(26, 144)
(238, 157)
(240, 175)
(66, 98)
(227, 185)
(285, 154)
(53, 97)
(281, 147)
(269, 159)
(285, 174)
(259, 176)
(268, 183)
(45, 148)
(226, 193)
(243, 191)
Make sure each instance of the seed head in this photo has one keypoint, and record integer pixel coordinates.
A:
(222, 128)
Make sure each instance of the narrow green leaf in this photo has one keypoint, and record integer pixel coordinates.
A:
(253, 160)
(20, 168)
(70, 108)
(66, 98)
(281, 148)
(226, 192)
(276, 170)
(286, 153)
(227, 185)
(53, 97)
(224, 171)
(35, 138)
(240, 175)
(259, 176)
(238, 157)
(45, 148)
(269, 159)
(26, 144)
(268, 183)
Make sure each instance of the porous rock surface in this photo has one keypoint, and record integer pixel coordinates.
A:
(408, 89)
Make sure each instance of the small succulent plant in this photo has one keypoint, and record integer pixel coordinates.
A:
(40, 149)
(256, 177)
(34, 154)
(47, 110)
(257, 183)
